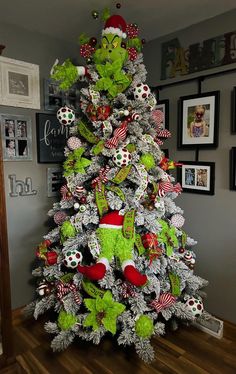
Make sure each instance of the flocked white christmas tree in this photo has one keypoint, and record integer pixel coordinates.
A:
(118, 260)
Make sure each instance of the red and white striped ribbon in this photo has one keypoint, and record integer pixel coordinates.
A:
(118, 135)
(127, 290)
(163, 134)
(102, 178)
(79, 190)
(158, 117)
(64, 289)
(165, 300)
(167, 186)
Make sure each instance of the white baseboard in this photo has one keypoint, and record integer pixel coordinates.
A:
(212, 326)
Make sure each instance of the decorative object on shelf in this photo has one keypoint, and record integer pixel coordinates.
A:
(55, 98)
(178, 60)
(19, 83)
(233, 119)
(21, 188)
(163, 106)
(233, 168)
(54, 181)
(16, 137)
(2, 47)
(51, 138)
(197, 177)
(199, 120)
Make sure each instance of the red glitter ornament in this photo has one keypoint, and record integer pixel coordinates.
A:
(133, 54)
(123, 45)
(150, 240)
(83, 200)
(86, 50)
(118, 5)
(93, 41)
(51, 257)
(132, 31)
(143, 41)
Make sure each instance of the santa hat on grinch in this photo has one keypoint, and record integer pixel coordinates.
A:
(115, 25)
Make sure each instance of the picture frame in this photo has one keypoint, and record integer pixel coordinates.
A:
(163, 106)
(198, 124)
(197, 177)
(54, 181)
(233, 116)
(55, 98)
(51, 138)
(233, 169)
(19, 84)
(16, 134)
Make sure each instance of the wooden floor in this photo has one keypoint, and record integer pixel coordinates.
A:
(184, 351)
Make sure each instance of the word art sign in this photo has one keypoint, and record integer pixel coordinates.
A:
(51, 138)
(19, 187)
(211, 53)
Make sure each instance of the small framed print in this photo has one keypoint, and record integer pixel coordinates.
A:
(199, 120)
(233, 119)
(19, 84)
(197, 177)
(55, 98)
(233, 168)
(163, 106)
(54, 181)
(16, 137)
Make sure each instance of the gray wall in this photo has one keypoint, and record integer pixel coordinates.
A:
(27, 216)
(209, 219)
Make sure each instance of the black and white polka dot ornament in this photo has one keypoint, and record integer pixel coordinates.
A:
(65, 116)
(72, 258)
(195, 306)
(74, 143)
(142, 92)
(122, 157)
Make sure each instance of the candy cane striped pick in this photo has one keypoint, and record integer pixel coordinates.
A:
(163, 134)
(64, 289)
(167, 186)
(118, 135)
(102, 178)
(65, 192)
(158, 117)
(164, 301)
(127, 290)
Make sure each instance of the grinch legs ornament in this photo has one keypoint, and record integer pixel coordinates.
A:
(114, 243)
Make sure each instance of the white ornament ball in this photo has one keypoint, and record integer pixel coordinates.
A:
(65, 115)
(126, 112)
(82, 208)
(177, 220)
(76, 206)
(122, 157)
(188, 256)
(174, 257)
(72, 258)
(195, 306)
(73, 143)
(141, 92)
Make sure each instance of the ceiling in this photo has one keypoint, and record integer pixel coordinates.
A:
(67, 19)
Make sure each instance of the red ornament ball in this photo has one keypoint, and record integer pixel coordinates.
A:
(123, 45)
(93, 41)
(51, 257)
(47, 243)
(133, 54)
(181, 250)
(152, 197)
(143, 41)
(86, 50)
(83, 200)
(118, 5)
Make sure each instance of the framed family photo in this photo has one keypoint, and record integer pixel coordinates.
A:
(197, 177)
(163, 106)
(19, 84)
(16, 137)
(198, 123)
(233, 168)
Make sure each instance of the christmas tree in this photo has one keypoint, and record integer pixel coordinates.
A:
(118, 260)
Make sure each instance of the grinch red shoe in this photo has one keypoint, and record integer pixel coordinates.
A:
(93, 272)
(134, 276)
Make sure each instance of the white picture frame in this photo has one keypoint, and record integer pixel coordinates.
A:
(19, 84)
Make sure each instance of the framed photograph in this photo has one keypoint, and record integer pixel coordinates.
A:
(51, 138)
(163, 106)
(54, 181)
(197, 177)
(19, 84)
(233, 119)
(199, 120)
(16, 137)
(55, 98)
(233, 168)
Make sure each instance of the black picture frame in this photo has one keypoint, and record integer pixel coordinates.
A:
(51, 138)
(233, 115)
(163, 105)
(55, 98)
(197, 177)
(190, 130)
(232, 173)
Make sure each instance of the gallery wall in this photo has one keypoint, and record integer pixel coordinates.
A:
(27, 215)
(209, 219)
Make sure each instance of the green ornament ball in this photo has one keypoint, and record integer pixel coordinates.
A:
(144, 327)
(95, 14)
(148, 161)
(66, 320)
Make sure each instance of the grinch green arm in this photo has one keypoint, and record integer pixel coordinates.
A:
(66, 74)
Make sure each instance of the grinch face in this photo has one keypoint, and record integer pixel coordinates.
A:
(110, 50)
